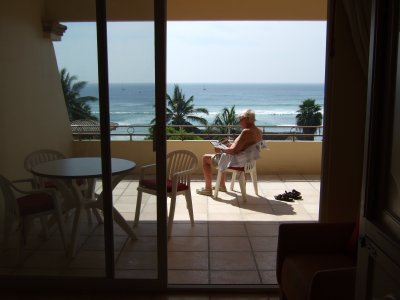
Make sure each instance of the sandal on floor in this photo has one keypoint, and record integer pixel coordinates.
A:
(221, 189)
(296, 195)
(204, 192)
(284, 197)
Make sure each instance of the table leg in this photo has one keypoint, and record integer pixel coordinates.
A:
(75, 231)
(120, 220)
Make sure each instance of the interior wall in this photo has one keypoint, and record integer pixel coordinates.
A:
(344, 124)
(32, 109)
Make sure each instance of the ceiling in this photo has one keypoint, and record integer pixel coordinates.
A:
(194, 10)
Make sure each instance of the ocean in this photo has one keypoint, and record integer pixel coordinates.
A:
(274, 104)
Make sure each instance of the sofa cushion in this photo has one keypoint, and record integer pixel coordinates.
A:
(353, 241)
(298, 272)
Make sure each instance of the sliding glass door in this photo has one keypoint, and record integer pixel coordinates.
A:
(131, 43)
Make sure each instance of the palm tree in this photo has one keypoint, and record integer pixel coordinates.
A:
(309, 115)
(227, 117)
(77, 106)
(181, 111)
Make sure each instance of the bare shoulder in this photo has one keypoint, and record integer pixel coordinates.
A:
(246, 133)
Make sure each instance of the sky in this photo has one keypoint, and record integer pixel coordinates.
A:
(201, 51)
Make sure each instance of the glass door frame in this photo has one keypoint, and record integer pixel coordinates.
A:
(159, 145)
(109, 282)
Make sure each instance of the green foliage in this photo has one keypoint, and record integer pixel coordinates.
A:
(309, 115)
(181, 111)
(77, 106)
(174, 134)
(227, 117)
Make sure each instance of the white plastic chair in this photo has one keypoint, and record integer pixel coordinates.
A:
(249, 167)
(44, 155)
(180, 165)
(21, 207)
(37, 157)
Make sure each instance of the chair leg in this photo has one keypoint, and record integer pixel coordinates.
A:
(253, 175)
(242, 182)
(8, 225)
(233, 179)
(43, 221)
(75, 231)
(97, 215)
(217, 184)
(89, 215)
(171, 215)
(189, 205)
(138, 207)
(21, 243)
(61, 228)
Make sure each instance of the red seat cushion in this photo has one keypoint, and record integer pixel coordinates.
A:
(35, 203)
(80, 181)
(152, 184)
(49, 185)
(236, 168)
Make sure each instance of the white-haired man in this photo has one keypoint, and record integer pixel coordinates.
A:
(250, 135)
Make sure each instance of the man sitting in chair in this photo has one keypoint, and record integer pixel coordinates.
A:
(245, 147)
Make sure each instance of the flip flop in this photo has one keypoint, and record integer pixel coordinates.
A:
(204, 192)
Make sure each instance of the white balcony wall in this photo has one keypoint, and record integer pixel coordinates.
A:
(280, 157)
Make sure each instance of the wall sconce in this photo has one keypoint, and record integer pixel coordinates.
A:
(53, 30)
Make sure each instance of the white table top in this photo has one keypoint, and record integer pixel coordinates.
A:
(80, 167)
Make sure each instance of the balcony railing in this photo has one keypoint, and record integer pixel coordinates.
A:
(206, 132)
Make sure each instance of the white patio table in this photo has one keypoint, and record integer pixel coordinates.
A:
(66, 174)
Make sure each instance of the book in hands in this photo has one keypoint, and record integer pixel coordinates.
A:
(222, 143)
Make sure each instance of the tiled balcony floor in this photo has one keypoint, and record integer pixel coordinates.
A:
(232, 242)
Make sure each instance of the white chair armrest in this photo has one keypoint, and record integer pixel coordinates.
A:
(25, 180)
(176, 175)
(27, 192)
(144, 168)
